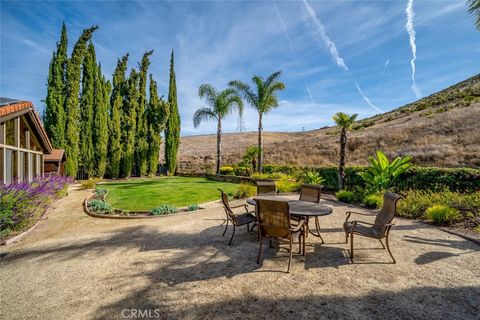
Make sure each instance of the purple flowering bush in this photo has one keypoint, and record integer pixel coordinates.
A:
(21, 201)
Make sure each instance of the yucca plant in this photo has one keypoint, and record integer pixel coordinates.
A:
(313, 177)
(381, 173)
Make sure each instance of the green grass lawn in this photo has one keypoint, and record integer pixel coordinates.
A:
(148, 193)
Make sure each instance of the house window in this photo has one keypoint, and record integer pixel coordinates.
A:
(2, 132)
(11, 172)
(39, 164)
(26, 167)
(10, 132)
(23, 134)
(34, 144)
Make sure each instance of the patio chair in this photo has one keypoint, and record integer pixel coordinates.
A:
(379, 229)
(237, 219)
(310, 192)
(273, 219)
(266, 188)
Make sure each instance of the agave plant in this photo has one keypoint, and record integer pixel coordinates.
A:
(381, 174)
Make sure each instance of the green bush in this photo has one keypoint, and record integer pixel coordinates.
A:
(241, 171)
(287, 169)
(90, 183)
(99, 206)
(416, 202)
(164, 209)
(245, 190)
(345, 196)
(193, 207)
(100, 192)
(373, 201)
(271, 176)
(227, 170)
(442, 215)
(287, 185)
(313, 177)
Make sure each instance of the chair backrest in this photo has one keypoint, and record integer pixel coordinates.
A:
(389, 208)
(266, 188)
(273, 217)
(226, 204)
(310, 192)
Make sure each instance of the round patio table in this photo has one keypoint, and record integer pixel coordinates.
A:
(302, 209)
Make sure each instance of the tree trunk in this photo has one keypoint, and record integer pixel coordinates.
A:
(341, 167)
(219, 144)
(260, 143)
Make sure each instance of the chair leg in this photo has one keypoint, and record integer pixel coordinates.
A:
(388, 248)
(233, 233)
(248, 226)
(381, 243)
(290, 258)
(304, 234)
(300, 244)
(351, 245)
(270, 244)
(346, 237)
(226, 226)
(259, 250)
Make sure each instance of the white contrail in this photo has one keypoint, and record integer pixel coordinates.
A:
(411, 34)
(329, 43)
(366, 98)
(334, 52)
(294, 53)
(387, 63)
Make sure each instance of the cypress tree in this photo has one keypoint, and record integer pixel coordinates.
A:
(141, 144)
(86, 155)
(72, 101)
(172, 128)
(128, 124)
(157, 115)
(100, 122)
(54, 118)
(115, 121)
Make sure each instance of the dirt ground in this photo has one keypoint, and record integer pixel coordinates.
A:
(73, 266)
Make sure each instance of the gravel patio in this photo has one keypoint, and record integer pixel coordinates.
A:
(180, 267)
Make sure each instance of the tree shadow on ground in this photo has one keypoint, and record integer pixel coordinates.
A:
(415, 303)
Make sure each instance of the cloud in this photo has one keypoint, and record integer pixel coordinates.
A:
(411, 34)
(334, 52)
(328, 42)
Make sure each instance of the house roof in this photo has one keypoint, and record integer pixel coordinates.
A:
(57, 155)
(11, 108)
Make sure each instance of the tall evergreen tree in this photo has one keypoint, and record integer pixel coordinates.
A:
(172, 128)
(141, 144)
(128, 124)
(72, 101)
(89, 68)
(157, 115)
(54, 118)
(114, 123)
(100, 122)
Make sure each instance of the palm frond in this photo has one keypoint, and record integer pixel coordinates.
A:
(244, 90)
(272, 78)
(209, 92)
(203, 114)
(474, 9)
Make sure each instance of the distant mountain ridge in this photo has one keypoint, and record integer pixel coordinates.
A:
(442, 129)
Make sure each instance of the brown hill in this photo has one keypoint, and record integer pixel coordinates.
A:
(442, 129)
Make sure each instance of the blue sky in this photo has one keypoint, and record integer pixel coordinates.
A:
(331, 52)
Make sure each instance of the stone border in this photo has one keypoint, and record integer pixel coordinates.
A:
(24, 233)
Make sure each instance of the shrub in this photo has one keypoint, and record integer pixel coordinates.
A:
(241, 171)
(313, 177)
(100, 192)
(193, 207)
(227, 170)
(373, 201)
(287, 185)
(245, 190)
(90, 183)
(416, 202)
(22, 201)
(345, 196)
(164, 209)
(271, 176)
(99, 206)
(442, 215)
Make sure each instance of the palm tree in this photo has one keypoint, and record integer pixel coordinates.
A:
(221, 104)
(345, 122)
(474, 9)
(263, 100)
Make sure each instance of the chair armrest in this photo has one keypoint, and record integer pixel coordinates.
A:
(349, 213)
(300, 225)
(373, 224)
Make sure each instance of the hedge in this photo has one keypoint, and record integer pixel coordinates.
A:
(464, 180)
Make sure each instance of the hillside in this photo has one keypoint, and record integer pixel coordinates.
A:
(439, 130)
